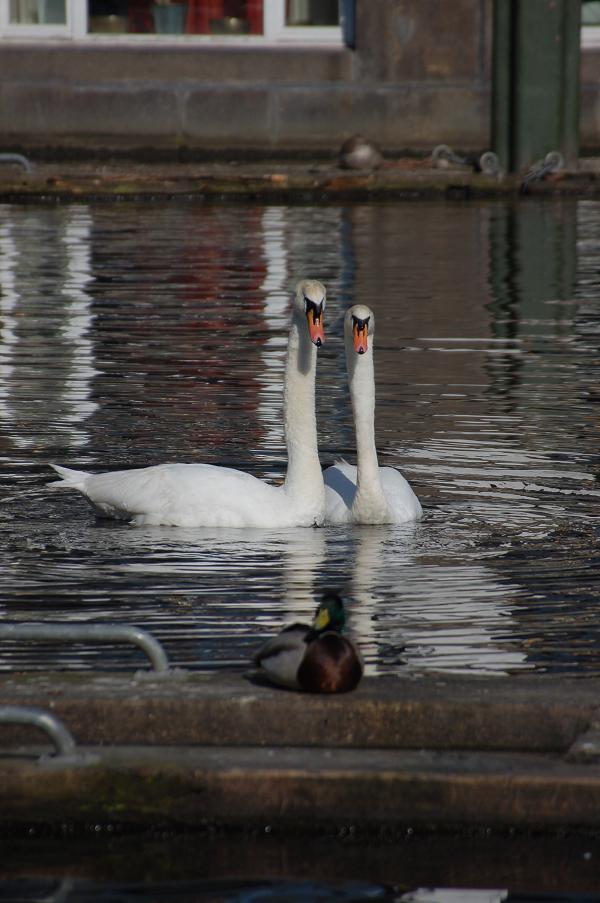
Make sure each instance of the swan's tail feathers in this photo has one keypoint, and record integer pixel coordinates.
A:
(69, 479)
(341, 462)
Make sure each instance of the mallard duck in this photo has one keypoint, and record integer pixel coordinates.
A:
(317, 658)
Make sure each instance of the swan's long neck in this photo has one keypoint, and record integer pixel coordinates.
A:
(304, 478)
(369, 497)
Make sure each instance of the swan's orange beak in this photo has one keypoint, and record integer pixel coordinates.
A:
(360, 334)
(314, 317)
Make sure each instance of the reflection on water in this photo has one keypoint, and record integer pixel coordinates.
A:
(273, 868)
(223, 891)
(131, 335)
(47, 277)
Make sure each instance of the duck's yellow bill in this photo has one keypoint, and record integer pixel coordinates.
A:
(322, 619)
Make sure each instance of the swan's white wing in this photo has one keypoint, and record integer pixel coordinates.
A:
(185, 495)
(401, 500)
(340, 486)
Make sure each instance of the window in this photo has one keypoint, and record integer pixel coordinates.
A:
(220, 20)
(30, 12)
(590, 23)
(27, 18)
(306, 19)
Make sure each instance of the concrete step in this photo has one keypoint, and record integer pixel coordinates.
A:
(296, 788)
(190, 750)
(476, 713)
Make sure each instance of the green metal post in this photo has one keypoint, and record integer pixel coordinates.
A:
(501, 83)
(535, 98)
(571, 66)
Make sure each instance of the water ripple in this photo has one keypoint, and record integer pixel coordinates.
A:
(131, 335)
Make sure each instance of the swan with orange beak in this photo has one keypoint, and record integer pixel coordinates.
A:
(367, 493)
(207, 495)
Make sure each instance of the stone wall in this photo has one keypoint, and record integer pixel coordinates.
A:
(419, 76)
(589, 119)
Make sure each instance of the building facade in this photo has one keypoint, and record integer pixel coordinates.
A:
(253, 76)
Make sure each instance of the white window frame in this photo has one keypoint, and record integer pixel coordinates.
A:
(275, 31)
(7, 29)
(275, 28)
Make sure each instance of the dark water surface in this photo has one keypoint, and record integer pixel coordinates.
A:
(271, 869)
(136, 334)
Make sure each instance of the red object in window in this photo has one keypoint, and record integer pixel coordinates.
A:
(200, 13)
(254, 14)
(139, 17)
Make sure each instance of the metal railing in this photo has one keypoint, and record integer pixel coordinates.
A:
(94, 633)
(34, 717)
(19, 159)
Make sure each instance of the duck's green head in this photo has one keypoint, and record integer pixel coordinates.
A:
(330, 614)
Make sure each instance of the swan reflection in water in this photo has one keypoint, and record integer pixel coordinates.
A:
(456, 617)
(382, 571)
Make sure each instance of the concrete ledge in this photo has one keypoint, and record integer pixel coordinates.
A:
(476, 713)
(269, 180)
(69, 63)
(301, 788)
(192, 750)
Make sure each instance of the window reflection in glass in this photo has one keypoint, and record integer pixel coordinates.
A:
(312, 12)
(37, 12)
(192, 17)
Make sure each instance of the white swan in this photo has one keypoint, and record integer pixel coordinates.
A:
(366, 494)
(206, 495)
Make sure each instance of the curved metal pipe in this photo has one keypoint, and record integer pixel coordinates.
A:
(34, 717)
(17, 158)
(95, 633)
